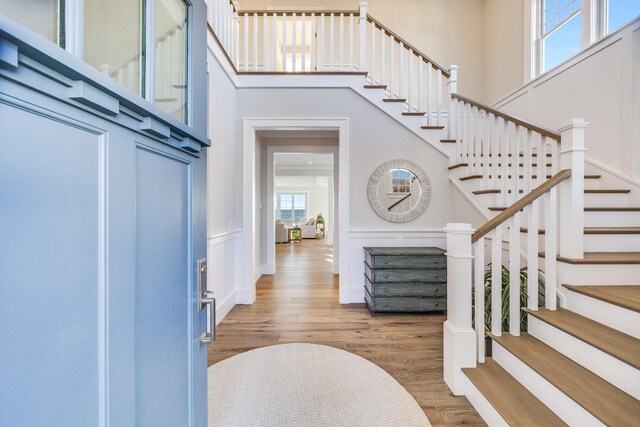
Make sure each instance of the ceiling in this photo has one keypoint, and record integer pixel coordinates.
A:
(303, 160)
(298, 133)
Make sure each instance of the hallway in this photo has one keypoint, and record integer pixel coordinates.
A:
(300, 304)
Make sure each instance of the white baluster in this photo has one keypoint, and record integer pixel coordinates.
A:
(532, 254)
(363, 35)
(284, 42)
(304, 43)
(265, 66)
(313, 42)
(373, 53)
(235, 56)
(439, 98)
(474, 160)
(294, 33)
(496, 282)
(255, 42)
(351, 63)
(401, 70)
(383, 64)
(392, 60)
(420, 84)
(550, 247)
(430, 94)
(341, 45)
(495, 170)
(331, 43)
(246, 42)
(514, 276)
(504, 161)
(274, 41)
(321, 48)
(489, 157)
(528, 161)
(479, 297)
(410, 82)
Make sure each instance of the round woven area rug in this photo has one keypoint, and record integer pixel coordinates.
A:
(307, 385)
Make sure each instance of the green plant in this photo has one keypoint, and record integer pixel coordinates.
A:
(506, 286)
(319, 217)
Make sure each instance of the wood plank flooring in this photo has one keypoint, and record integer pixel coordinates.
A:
(300, 304)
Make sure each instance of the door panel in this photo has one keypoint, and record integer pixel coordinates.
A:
(51, 282)
(162, 291)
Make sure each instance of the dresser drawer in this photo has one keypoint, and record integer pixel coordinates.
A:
(406, 289)
(378, 304)
(405, 275)
(419, 258)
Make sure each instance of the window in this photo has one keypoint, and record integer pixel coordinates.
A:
(560, 31)
(41, 16)
(292, 207)
(619, 12)
(170, 71)
(401, 181)
(112, 40)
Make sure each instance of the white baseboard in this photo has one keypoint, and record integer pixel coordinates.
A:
(224, 307)
(269, 268)
(246, 296)
(356, 295)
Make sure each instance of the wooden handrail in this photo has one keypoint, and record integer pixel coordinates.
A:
(416, 52)
(541, 130)
(520, 204)
(297, 12)
(398, 202)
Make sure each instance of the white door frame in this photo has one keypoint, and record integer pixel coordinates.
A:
(270, 266)
(248, 271)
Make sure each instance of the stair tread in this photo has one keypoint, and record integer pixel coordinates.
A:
(436, 127)
(612, 209)
(459, 165)
(611, 341)
(394, 100)
(609, 404)
(517, 405)
(607, 191)
(598, 230)
(490, 191)
(413, 113)
(602, 258)
(626, 296)
(375, 86)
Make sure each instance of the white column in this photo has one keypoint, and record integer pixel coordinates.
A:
(571, 201)
(459, 337)
(452, 84)
(363, 35)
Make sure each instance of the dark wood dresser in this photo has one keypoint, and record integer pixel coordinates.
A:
(405, 279)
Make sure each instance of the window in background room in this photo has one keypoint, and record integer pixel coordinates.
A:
(112, 40)
(41, 16)
(619, 12)
(292, 207)
(560, 31)
(400, 181)
(170, 71)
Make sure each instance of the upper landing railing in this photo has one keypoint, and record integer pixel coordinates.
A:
(333, 41)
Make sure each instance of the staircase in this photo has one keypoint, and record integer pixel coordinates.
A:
(576, 359)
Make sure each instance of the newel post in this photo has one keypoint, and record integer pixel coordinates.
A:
(459, 336)
(571, 200)
(453, 88)
(235, 49)
(363, 34)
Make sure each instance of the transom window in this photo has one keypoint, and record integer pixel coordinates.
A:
(560, 31)
(401, 181)
(291, 206)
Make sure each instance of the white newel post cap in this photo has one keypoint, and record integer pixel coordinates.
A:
(363, 7)
(573, 123)
(236, 5)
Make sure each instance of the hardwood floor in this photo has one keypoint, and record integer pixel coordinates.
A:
(300, 304)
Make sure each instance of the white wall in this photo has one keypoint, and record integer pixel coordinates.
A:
(601, 85)
(374, 138)
(224, 213)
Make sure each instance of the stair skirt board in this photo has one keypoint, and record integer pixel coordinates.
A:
(607, 367)
(486, 410)
(563, 406)
(616, 317)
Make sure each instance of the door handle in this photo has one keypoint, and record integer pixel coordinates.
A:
(209, 336)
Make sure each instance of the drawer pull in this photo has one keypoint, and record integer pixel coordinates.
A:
(386, 261)
(386, 304)
(437, 304)
(386, 289)
(436, 275)
(386, 275)
(435, 262)
(436, 289)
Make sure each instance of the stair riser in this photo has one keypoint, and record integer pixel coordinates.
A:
(610, 219)
(612, 243)
(607, 199)
(564, 407)
(620, 274)
(482, 405)
(618, 373)
(622, 319)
